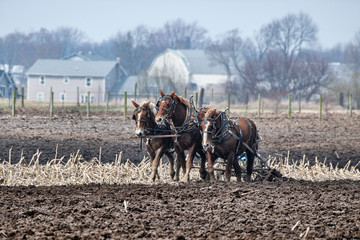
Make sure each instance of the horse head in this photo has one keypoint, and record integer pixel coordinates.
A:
(166, 106)
(143, 116)
(209, 125)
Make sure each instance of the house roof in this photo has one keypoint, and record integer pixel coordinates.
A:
(52, 67)
(4, 75)
(89, 56)
(129, 84)
(198, 62)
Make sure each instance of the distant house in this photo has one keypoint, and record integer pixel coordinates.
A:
(89, 56)
(70, 80)
(129, 85)
(17, 73)
(7, 85)
(185, 68)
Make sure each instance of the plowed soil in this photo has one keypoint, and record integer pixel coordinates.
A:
(327, 210)
(257, 210)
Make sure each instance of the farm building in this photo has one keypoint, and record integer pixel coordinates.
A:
(177, 69)
(73, 79)
(7, 85)
(89, 56)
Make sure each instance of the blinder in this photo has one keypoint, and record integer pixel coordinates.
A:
(171, 104)
(138, 109)
(214, 132)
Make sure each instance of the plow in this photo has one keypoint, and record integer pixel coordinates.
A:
(261, 170)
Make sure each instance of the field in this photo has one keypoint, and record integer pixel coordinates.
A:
(289, 208)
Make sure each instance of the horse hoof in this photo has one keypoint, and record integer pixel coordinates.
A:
(152, 178)
(204, 175)
(185, 180)
(172, 175)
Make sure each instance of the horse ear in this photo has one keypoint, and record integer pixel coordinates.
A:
(147, 103)
(172, 94)
(162, 93)
(135, 104)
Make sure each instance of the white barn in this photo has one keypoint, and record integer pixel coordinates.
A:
(177, 69)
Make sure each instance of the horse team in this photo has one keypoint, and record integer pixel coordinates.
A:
(175, 123)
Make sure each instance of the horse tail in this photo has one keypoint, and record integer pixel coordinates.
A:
(256, 139)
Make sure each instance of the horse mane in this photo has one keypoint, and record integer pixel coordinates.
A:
(210, 112)
(183, 101)
(153, 109)
(151, 106)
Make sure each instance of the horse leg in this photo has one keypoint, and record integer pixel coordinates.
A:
(237, 170)
(229, 163)
(211, 160)
(189, 163)
(202, 171)
(249, 165)
(171, 163)
(155, 164)
(180, 160)
(151, 153)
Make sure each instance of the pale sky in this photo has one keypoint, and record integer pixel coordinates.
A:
(338, 20)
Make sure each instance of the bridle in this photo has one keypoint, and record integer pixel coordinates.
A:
(172, 106)
(138, 109)
(223, 121)
(150, 130)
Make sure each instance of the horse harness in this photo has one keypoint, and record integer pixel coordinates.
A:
(226, 130)
(190, 123)
(158, 129)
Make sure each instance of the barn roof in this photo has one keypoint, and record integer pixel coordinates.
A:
(198, 62)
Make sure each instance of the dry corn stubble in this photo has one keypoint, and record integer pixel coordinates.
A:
(76, 170)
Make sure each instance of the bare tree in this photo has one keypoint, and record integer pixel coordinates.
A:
(134, 49)
(271, 63)
(228, 52)
(288, 36)
(25, 49)
(11, 46)
(181, 35)
(311, 74)
(353, 58)
(65, 40)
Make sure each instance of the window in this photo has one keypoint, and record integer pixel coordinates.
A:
(88, 81)
(62, 97)
(2, 91)
(40, 97)
(66, 80)
(42, 80)
(84, 98)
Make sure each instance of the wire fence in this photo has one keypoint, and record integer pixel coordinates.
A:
(109, 101)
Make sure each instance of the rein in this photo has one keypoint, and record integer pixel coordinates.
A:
(190, 122)
(219, 135)
(151, 130)
(225, 131)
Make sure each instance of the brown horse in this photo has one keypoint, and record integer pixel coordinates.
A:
(144, 115)
(183, 119)
(227, 139)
